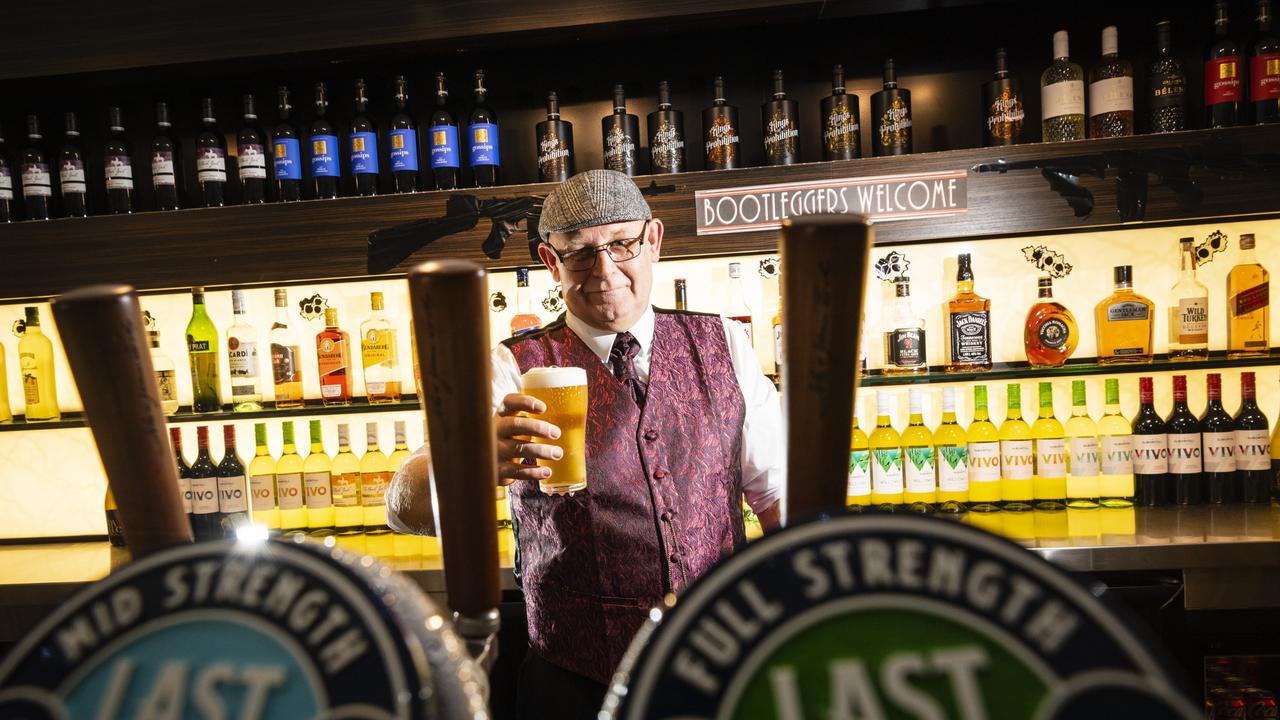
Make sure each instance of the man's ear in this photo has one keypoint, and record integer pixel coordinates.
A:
(656, 232)
(549, 259)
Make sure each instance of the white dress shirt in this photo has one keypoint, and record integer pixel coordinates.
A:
(763, 454)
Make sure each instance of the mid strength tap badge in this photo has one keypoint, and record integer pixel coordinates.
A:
(882, 617)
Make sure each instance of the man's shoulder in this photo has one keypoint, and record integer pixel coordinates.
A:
(553, 326)
(686, 313)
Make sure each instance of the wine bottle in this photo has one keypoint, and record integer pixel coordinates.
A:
(211, 158)
(857, 495)
(1062, 95)
(780, 120)
(555, 144)
(202, 354)
(919, 463)
(206, 524)
(115, 530)
(39, 381)
(184, 474)
(374, 481)
(6, 184)
(402, 139)
(1186, 465)
(620, 132)
(290, 488)
(1111, 90)
(720, 140)
(166, 374)
(37, 185)
(1049, 477)
(1217, 437)
(251, 155)
(118, 165)
(983, 456)
(445, 162)
(1151, 483)
(326, 169)
(1223, 91)
(233, 500)
(1017, 456)
(1115, 440)
(71, 180)
(318, 482)
(1264, 69)
(348, 514)
(1167, 84)
(1083, 453)
(364, 144)
(1002, 113)
(666, 134)
(952, 457)
(482, 136)
(166, 162)
(263, 506)
(886, 459)
(1253, 453)
(838, 112)
(286, 152)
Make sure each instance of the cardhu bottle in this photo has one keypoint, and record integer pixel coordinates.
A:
(720, 132)
(555, 144)
(891, 116)
(841, 133)
(666, 134)
(1264, 69)
(1002, 112)
(620, 132)
(780, 120)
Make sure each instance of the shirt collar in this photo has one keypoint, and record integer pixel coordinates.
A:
(601, 341)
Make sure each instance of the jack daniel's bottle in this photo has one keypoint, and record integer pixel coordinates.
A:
(780, 119)
(1002, 112)
(891, 116)
(666, 134)
(621, 134)
(841, 133)
(555, 144)
(720, 132)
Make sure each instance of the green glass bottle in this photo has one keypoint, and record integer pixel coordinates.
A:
(202, 353)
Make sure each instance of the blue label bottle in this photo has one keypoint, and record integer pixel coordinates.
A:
(482, 139)
(443, 141)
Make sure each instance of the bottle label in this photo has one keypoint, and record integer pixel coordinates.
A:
(1253, 450)
(1062, 98)
(242, 356)
(895, 124)
(840, 131)
(1192, 321)
(166, 382)
(162, 168)
(666, 149)
(1111, 95)
(6, 184)
(262, 488)
(71, 177)
(984, 462)
(1255, 298)
(1184, 454)
(1085, 456)
(286, 152)
(253, 161)
(324, 156)
(904, 347)
(1017, 459)
(231, 496)
(1051, 458)
(30, 386)
(553, 156)
(780, 137)
(1150, 454)
(290, 491)
(319, 490)
(211, 165)
(204, 495)
(284, 364)
(953, 468)
(1265, 77)
(1053, 333)
(1219, 451)
(332, 360)
(1005, 116)
(373, 488)
(1222, 80)
(1117, 454)
(921, 476)
(722, 143)
(619, 150)
(36, 181)
(886, 471)
(404, 150)
(859, 481)
(1127, 310)
(444, 146)
(184, 489)
(364, 153)
(346, 489)
(1168, 90)
(378, 347)
(971, 338)
(484, 144)
(744, 322)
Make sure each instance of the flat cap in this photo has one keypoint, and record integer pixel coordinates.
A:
(593, 197)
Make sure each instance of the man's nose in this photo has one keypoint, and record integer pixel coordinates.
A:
(605, 266)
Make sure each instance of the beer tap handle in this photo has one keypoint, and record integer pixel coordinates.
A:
(106, 344)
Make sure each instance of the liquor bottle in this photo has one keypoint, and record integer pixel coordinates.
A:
(1223, 89)
(445, 161)
(482, 135)
(203, 477)
(983, 456)
(952, 457)
(242, 359)
(891, 116)
(6, 413)
(1062, 95)
(364, 144)
(968, 324)
(1151, 484)
(886, 458)
(1248, 305)
(1186, 459)
(1264, 69)
(326, 169)
(555, 144)
(1115, 442)
(1167, 84)
(379, 355)
(904, 338)
(400, 452)
(317, 481)
(738, 309)
(620, 132)
(286, 357)
(1124, 322)
(6, 184)
(202, 355)
(1217, 437)
(286, 152)
(839, 113)
(1111, 91)
(776, 323)
(262, 482)
(290, 488)
(166, 162)
(1017, 456)
(402, 139)
(1049, 479)
(1189, 318)
(233, 501)
(720, 140)
(251, 155)
(1002, 111)
(211, 158)
(184, 473)
(118, 165)
(780, 119)
(37, 185)
(857, 494)
(919, 464)
(348, 513)
(525, 319)
(333, 355)
(71, 171)
(39, 382)
(115, 531)
(1050, 334)
(682, 294)
(374, 481)
(1253, 452)
(166, 374)
(666, 135)
(1083, 453)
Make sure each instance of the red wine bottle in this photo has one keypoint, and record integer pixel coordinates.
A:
(251, 155)
(402, 142)
(211, 159)
(233, 492)
(482, 138)
(326, 168)
(1186, 466)
(446, 160)
(1253, 446)
(1264, 69)
(166, 162)
(1150, 452)
(37, 185)
(286, 151)
(1218, 438)
(364, 144)
(184, 472)
(205, 519)
(1223, 74)
(6, 184)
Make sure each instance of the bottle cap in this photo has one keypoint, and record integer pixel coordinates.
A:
(206, 109)
(115, 118)
(718, 89)
(237, 302)
(343, 435)
(175, 436)
(882, 403)
(282, 297)
(314, 427)
(331, 317)
(371, 436)
(1110, 40)
(948, 400)
(1046, 394)
(1014, 391)
(778, 91)
(250, 108)
(980, 397)
(553, 106)
(260, 434)
(735, 270)
(619, 98)
(202, 437)
(1247, 385)
(229, 436)
(1123, 274)
(32, 316)
(890, 73)
(375, 300)
(1002, 63)
(1077, 393)
(1179, 388)
(1246, 241)
(399, 431)
(1213, 384)
(664, 95)
(1112, 388)
(837, 80)
(915, 400)
(1146, 391)
(1061, 47)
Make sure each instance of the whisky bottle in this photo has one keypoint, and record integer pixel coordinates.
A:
(6, 185)
(620, 132)
(1050, 334)
(1218, 438)
(1264, 69)
(251, 156)
(71, 171)
(445, 160)
(166, 374)
(666, 135)
(555, 144)
(402, 141)
(1151, 483)
(525, 320)
(841, 131)
(35, 362)
(780, 121)
(211, 158)
(333, 355)
(1189, 316)
(242, 359)
(1166, 84)
(6, 413)
(482, 134)
(1124, 322)
(720, 141)
(118, 165)
(233, 487)
(166, 162)
(1002, 111)
(1017, 456)
(37, 185)
(363, 143)
(1248, 305)
(1186, 458)
(202, 355)
(323, 141)
(1253, 451)
(286, 151)
(891, 116)
(1062, 95)
(1111, 91)
(379, 354)
(968, 324)
(1223, 87)
(681, 294)
(904, 338)
(286, 357)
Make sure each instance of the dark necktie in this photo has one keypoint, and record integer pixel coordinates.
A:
(622, 361)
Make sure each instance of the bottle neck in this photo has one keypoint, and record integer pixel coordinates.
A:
(882, 421)
(282, 316)
(964, 287)
(1046, 411)
(1189, 263)
(1014, 413)
(949, 417)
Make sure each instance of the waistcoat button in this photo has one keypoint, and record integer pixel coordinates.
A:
(659, 474)
(650, 435)
(675, 557)
(667, 514)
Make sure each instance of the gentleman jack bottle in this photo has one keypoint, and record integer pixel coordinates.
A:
(666, 134)
(891, 116)
(620, 132)
(780, 119)
(555, 144)
(841, 133)
(1002, 112)
(720, 132)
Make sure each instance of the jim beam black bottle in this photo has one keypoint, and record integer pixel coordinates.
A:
(720, 132)
(1166, 84)
(891, 116)
(620, 132)
(1002, 106)
(555, 144)
(118, 165)
(71, 171)
(841, 131)
(666, 134)
(780, 119)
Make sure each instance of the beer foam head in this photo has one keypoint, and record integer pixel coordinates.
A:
(553, 377)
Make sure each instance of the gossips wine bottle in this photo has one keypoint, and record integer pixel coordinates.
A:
(482, 136)
(446, 164)
(402, 141)
(286, 151)
(325, 167)
(364, 144)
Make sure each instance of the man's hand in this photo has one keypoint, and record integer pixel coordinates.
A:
(514, 446)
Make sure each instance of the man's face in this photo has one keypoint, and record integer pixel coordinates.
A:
(610, 295)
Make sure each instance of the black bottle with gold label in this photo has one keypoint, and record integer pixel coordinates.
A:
(780, 122)
(841, 132)
(720, 141)
(555, 144)
(1002, 111)
(891, 116)
(666, 134)
(620, 132)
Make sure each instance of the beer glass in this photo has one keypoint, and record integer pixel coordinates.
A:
(564, 390)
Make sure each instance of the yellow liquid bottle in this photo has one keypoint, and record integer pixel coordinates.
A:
(1082, 452)
(983, 456)
(1049, 481)
(1017, 456)
(857, 494)
(1115, 441)
(6, 413)
(262, 482)
(375, 478)
(291, 494)
(379, 355)
(951, 453)
(35, 358)
(919, 469)
(317, 480)
(348, 514)
(886, 458)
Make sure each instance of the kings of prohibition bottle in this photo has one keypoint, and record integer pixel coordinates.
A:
(721, 142)
(666, 134)
(780, 121)
(891, 116)
(841, 132)
(555, 144)
(1002, 113)
(620, 133)
(482, 138)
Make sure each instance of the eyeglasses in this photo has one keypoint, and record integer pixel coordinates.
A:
(620, 250)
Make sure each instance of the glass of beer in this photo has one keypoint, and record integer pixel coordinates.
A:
(564, 390)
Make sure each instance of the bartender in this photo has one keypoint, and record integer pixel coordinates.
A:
(681, 425)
